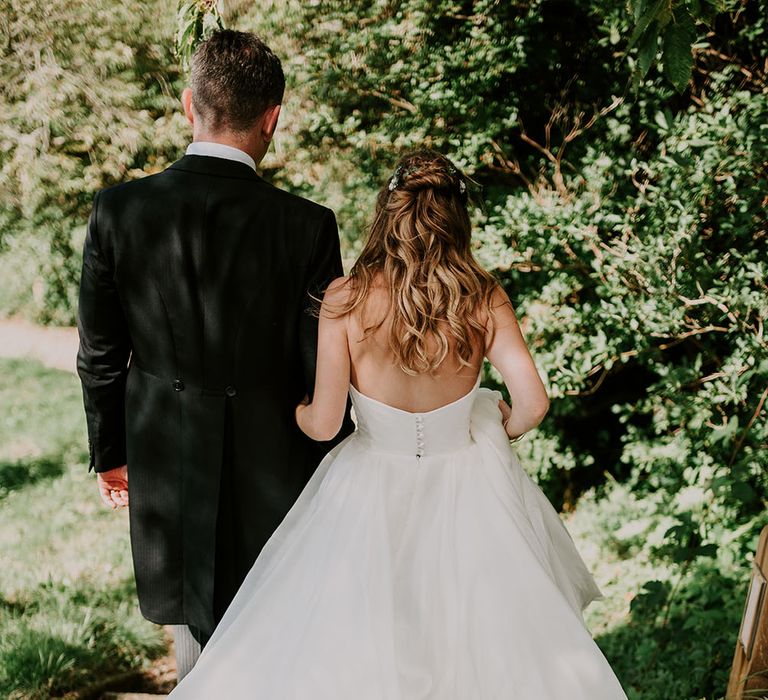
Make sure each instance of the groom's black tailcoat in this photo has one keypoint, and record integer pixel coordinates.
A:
(196, 344)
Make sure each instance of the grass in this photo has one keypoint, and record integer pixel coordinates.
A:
(68, 610)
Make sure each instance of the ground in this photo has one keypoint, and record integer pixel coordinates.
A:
(68, 613)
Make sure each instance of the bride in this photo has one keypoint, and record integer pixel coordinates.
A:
(420, 562)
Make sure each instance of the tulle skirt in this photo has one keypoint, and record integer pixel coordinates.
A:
(448, 577)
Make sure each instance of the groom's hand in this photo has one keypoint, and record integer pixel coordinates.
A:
(113, 486)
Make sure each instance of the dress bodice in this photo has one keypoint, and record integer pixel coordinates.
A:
(420, 434)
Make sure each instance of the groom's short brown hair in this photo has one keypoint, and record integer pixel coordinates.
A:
(235, 77)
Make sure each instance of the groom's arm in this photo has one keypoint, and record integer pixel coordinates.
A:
(324, 266)
(102, 358)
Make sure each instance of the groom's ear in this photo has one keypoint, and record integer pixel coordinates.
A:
(186, 101)
(269, 123)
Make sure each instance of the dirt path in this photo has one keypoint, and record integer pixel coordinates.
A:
(54, 347)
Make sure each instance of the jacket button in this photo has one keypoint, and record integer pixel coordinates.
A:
(230, 391)
(178, 385)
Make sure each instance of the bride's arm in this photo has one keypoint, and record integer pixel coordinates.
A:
(507, 352)
(322, 419)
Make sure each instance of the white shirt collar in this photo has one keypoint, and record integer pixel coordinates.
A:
(220, 150)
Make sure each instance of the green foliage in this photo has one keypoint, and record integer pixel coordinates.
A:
(79, 110)
(196, 21)
(675, 23)
(629, 239)
(68, 612)
(680, 642)
(669, 630)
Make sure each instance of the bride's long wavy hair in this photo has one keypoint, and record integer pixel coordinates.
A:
(419, 245)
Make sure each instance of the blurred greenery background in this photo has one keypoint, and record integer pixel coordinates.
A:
(620, 154)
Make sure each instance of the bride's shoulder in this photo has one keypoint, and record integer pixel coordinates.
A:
(336, 298)
(496, 301)
(338, 289)
(496, 314)
(499, 298)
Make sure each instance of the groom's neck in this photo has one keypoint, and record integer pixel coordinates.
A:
(249, 143)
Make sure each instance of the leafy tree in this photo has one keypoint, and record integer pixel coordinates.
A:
(628, 231)
(674, 23)
(197, 20)
(79, 110)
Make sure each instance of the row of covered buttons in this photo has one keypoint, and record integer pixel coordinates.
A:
(178, 385)
(419, 436)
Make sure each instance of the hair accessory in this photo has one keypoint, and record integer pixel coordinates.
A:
(395, 179)
(462, 185)
(400, 174)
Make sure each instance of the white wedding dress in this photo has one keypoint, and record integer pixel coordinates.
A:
(420, 563)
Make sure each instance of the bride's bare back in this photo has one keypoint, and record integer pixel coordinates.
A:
(374, 372)
(344, 356)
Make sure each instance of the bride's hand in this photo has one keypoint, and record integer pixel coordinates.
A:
(505, 409)
(506, 414)
(302, 406)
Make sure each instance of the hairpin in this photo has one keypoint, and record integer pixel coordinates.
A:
(395, 179)
(400, 173)
(462, 185)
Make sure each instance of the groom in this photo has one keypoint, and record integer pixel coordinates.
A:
(197, 342)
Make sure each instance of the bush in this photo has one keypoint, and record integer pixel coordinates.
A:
(81, 110)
